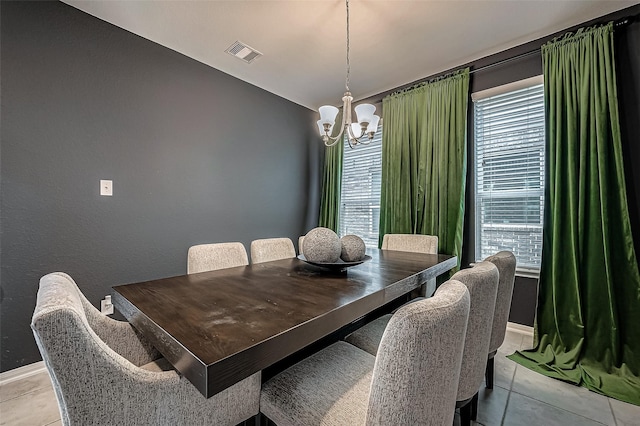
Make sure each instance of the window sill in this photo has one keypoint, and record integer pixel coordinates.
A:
(525, 273)
(528, 273)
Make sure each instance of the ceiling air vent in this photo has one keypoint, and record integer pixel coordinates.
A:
(244, 52)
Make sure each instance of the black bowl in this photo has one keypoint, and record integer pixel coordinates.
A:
(339, 265)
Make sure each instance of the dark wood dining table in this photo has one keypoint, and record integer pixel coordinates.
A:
(219, 327)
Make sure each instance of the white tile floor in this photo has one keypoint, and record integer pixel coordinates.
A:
(519, 397)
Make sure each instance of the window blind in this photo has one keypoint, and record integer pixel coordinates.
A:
(360, 197)
(509, 174)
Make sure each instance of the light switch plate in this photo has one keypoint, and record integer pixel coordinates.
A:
(106, 187)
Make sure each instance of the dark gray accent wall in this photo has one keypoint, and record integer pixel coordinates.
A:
(195, 156)
(627, 49)
(523, 301)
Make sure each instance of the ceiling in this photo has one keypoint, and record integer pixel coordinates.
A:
(393, 42)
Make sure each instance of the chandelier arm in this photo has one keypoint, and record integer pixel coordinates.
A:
(353, 136)
(330, 144)
(350, 135)
(353, 140)
(336, 138)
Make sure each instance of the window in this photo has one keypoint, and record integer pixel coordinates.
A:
(360, 198)
(509, 134)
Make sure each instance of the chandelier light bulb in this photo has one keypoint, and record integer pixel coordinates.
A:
(328, 114)
(364, 113)
(373, 126)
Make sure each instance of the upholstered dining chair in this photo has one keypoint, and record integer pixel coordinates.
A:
(505, 261)
(104, 372)
(482, 282)
(300, 240)
(343, 385)
(368, 336)
(268, 249)
(210, 257)
(417, 243)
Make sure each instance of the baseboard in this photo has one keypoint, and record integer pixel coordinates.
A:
(21, 372)
(519, 328)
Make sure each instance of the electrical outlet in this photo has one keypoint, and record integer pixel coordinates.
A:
(106, 307)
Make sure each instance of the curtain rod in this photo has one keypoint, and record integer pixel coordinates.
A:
(619, 23)
(505, 61)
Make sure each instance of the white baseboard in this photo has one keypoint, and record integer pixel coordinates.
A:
(22, 372)
(519, 328)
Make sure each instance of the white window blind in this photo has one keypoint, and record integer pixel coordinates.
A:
(509, 174)
(360, 198)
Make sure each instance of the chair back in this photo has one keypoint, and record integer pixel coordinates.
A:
(482, 282)
(211, 257)
(416, 243)
(79, 362)
(414, 380)
(505, 261)
(268, 249)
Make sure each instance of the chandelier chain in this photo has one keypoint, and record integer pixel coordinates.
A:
(348, 63)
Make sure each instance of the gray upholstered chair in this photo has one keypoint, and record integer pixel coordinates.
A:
(268, 249)
(300, 240)
(210, 257)
(368, 336)
(97, 367)
(417, 243)
(505, 261)
(482, 282)
(343, 385)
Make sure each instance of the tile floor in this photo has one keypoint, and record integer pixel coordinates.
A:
(522, 397)
(519, 397)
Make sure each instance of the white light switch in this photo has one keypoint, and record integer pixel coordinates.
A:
(106, 187)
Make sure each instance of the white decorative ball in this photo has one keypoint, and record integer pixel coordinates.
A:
(353, 248)
(321, 245)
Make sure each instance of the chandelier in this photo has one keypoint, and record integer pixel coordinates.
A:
(360, 132)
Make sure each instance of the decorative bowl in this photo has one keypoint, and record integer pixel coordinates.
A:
(339, 265)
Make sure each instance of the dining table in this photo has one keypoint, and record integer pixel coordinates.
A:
(219, 327)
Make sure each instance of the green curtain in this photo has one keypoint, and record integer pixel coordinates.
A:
(589, 292)
(424, 161)
(332, 181)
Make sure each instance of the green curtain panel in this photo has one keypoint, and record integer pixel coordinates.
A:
(589, 292)
(332, 182)
(424, 161)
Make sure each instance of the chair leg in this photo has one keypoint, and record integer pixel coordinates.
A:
(465, 414)
(474, 407)
(488, 374)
